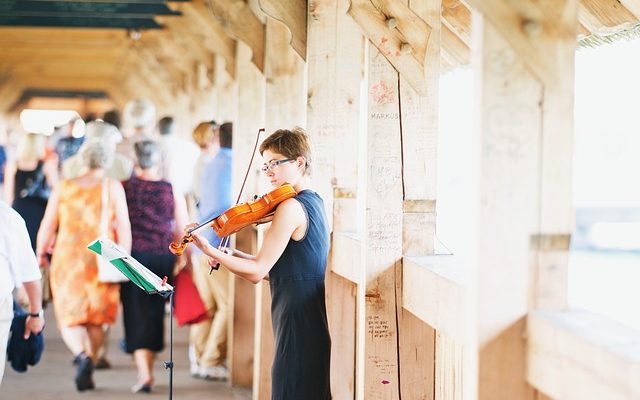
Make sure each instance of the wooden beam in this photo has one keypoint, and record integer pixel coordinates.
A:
(217, 39)
(251, 117)
(161, 43)
(293, 14)
(9, 94)
(601, 16)
(454, 50)
(443, 305)
(165, 67)
(381, 192)
(580, 355)
(48, 52)
(457, 18)
(532, 29)
(63, 68)
(74, 36)
(633, 6)
(146, 85)
(239, 21)
(69, 83)
(191, 39)
(524, 169)
(398, 33)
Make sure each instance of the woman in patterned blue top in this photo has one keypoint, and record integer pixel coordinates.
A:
(294, 255)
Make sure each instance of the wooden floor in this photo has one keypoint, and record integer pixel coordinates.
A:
(52, 378)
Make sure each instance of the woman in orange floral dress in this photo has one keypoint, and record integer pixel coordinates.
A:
(81, 303)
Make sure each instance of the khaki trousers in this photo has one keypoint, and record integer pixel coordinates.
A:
(209, 337)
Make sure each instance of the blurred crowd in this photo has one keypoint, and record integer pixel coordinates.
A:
(131, 177)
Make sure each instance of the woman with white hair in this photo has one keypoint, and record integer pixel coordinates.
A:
(121, 168)
(28, 181)
(82, 304)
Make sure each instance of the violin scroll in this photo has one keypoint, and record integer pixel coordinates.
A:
(178, 248)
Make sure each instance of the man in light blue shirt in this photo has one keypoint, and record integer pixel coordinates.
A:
(215, 183)
(209, 337)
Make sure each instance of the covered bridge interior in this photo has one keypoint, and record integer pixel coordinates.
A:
(362, 77)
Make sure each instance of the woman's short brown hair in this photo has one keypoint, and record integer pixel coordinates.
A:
(291, 143)
(204, 133)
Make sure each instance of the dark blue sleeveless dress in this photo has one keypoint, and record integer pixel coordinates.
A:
(302, 344)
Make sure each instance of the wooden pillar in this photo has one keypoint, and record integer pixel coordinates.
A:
(419, 123)
(250, 106)
(285, 108)
(524, 134)
(333, 112)
(227, 92)
(507, 169)
(382, 250)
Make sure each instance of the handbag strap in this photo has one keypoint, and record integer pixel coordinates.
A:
(104, 207)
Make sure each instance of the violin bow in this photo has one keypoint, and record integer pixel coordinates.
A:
(225, 240)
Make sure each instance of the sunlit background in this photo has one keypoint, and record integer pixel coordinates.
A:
(45, 121)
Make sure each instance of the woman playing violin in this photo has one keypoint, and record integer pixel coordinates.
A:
(294, 256)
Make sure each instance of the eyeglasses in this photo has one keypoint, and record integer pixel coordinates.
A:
(274, 163)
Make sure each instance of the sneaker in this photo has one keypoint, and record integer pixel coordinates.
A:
(215, 373)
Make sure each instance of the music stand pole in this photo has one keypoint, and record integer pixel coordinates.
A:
(169, 365)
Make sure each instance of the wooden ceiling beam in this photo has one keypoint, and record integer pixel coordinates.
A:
(55, 68)
(453, 49)
(9, 94)
(66, 83)
(398, 33)
(56, 35)
(140, 86)
(189, 38)
(293, 14)
(163, 45)
(239, 21)
(633, 6)
(457, 17)
(46, 54)
(217, 39)
(604, 15)
(170, 73)
(146, 80)
(533, 31)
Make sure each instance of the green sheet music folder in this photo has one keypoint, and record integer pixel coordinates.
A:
(130, 267)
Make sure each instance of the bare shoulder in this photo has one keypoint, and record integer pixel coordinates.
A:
(291, 210)
(115, 186)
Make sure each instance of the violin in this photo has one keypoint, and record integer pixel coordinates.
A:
(239, 216)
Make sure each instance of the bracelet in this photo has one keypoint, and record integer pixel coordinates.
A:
(36, 315)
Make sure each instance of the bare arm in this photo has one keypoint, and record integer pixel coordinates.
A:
(50, 169)
(34, 292)
(288, 217)
(181, 216)
(9, 181)
(123, 225)
(48, 228)
(180, 213)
